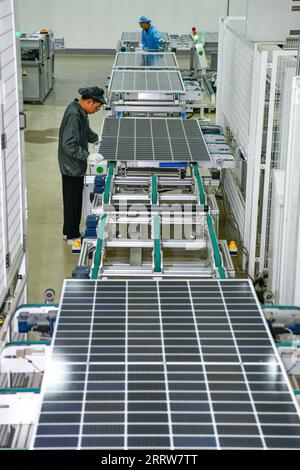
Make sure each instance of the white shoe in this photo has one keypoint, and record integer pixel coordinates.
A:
(65, 237)
(71, 241)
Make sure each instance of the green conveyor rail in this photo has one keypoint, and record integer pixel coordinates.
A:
(99, 247)
(157, 245)
(28, 343)
(214, 241)
(111, 170)
(281, 307)
(103, 221)
(154, 194)
(283, 344)
(208, 86)
(200, 185)
(8, 391)
(297, 392)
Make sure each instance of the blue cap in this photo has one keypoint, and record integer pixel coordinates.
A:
(144, 19)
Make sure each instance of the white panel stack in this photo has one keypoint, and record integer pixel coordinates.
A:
(235, 69)
(286, 240)
(2, 217)
(11, 204)
(242, 68)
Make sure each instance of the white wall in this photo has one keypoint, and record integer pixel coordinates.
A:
(271, 20)
(98, 24)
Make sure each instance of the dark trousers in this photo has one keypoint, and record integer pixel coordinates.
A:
(72, 187)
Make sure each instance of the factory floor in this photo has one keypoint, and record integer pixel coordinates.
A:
(50, 258)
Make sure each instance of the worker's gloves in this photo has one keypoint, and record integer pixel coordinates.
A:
(96, 145)
(96, 157)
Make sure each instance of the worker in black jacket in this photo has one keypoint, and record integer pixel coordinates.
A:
(74, 136)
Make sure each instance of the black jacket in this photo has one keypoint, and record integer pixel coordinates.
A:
(74, 136)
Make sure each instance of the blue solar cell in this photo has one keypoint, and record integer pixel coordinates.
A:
(241, 442)
(104, 442)
(194, 442)
(149, 442)
(58, 430)
(56, 442)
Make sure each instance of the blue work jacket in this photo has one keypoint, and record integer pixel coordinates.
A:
(151, 38)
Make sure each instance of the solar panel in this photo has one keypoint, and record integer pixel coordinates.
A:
(181, 42)
(135, 37)
(144, 139)
(158, 366)
(211, 37)
(154, 81)
(185, 41)
(138, 60)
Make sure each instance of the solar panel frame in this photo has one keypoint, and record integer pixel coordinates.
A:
(146, 81)
(131, 403)
(145, 60)
(157, 139)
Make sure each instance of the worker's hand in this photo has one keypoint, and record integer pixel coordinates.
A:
(96, 145)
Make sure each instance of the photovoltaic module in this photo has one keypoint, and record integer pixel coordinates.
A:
(164, 364)
(160, 140)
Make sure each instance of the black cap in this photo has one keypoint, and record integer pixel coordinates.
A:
(93, 92)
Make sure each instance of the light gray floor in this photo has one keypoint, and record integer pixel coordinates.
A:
(50, 259)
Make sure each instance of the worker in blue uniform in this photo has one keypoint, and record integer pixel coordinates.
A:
(151, 38)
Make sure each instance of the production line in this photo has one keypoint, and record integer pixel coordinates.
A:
(159, 225)
(145, 82)
(146, 91)
(131, 41)
(152, 206)
(154, 344)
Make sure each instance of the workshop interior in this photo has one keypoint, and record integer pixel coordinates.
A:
(173, 321)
